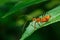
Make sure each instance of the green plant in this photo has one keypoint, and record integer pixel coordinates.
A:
(54, 18)
(15, 13)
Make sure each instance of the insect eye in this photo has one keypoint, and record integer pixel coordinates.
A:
(33, 19)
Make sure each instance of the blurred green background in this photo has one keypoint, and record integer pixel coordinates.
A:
(15, 13)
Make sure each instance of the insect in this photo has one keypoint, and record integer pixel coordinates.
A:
(38, 20)
(43, 19)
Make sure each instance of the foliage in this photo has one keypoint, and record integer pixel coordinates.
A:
(54, 18)
(16, 16)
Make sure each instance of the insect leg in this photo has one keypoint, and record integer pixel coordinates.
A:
(35, 25)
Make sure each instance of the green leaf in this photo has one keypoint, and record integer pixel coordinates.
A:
(22, 4)
(55, 17)
(36, 36)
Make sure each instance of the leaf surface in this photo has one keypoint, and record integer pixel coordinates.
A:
(55, 17)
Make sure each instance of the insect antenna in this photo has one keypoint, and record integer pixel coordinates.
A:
(24, 25)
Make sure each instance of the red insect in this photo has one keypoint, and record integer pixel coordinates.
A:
(44, 19)
(38, 20)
